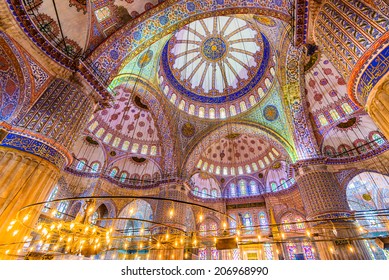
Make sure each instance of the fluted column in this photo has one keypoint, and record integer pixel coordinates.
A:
(327, 210)
(33, 150)
(28, 179)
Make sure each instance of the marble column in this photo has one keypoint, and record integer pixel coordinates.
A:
(328, 213)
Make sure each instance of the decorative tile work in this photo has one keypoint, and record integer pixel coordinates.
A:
(321, 193)
(38, 73)
(138, 35)
(59, 114)
(346, 30)
(34, 147)
(15, 87)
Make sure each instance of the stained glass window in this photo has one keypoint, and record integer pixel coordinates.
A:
(248, 168)
(202, 254)
(196, 191)
(51, 197)
(286, 225)
(347, 108)
(378, 139)
(214, 193)
(322, 119)
(253, 187)
(222, 113)
(248, 223)
(232, 110)
(135, 148)
(211, 113)
(153, 150)
(100, 132)
(232, 223)
(107, 138)
(232, 190)
(214, 254)
(291, 247)
(300, 225)
(307, 248)
(213, 229)
(62, 207)
(144, 149)
(126, 145)
(242, 188)
(262, 219)
(80, 165)
(95, 167)
(113, 173)
(273, 186)
(123, 177)
(116, 142)
(334, 115)
(283, 183)
(93, 126)
(204, 193)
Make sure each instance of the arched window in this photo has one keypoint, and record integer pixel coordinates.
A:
(361, 146)
(273, 186)
(123, 176)
(113, 173)
(377, 138)
(201, 112)
(191, 109)
(248, 223)
(62, 207)
(214, 193)
(196, 191)
(248, 168)
(322, 119)
(51, 197)
(242, 188)
(232, 190)
(299, 224)
(347, 108)
(126, 145)
(329, 151)
(211, 113)
(222, 113)
(262, 219)
(80, 165)
(334, 115)
(253, 187)
(95, 167)
(203, 229)
(284, 184)
(204, 193)
(232, 223)
(286, 225)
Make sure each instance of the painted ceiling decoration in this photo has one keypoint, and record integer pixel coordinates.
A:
(223, 61)
(236, 154)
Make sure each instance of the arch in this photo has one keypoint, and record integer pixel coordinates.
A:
(210, 137)
(137, 209)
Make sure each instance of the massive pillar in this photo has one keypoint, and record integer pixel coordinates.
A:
(171, 239)
(33, 150)
(325, 202)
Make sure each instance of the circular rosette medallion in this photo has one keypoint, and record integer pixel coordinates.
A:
(210, 67)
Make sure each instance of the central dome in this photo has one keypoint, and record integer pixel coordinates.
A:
(219, 61)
